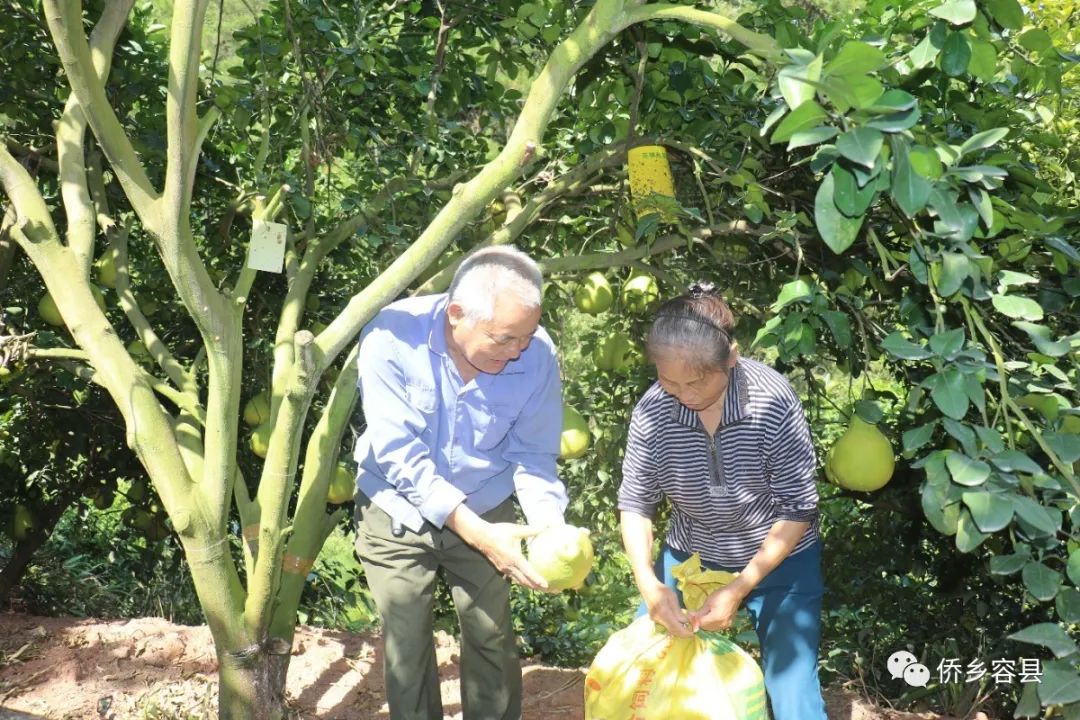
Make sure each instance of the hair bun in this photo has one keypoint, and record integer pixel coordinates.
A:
(702, 289)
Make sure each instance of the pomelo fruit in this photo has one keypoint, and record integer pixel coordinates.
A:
(639, 292)
(106, 270)
(137, 350)
(563, 554)
(260, 439)
(594, 295)
(99, 297)
(48, 311)
(615, 352)
(342, 485)
(22, 523)
(575, 434)
(257, 409)
(862, 459)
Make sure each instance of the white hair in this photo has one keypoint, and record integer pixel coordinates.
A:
(492, 272)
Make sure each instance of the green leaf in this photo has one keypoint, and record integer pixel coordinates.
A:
(813, 136)
(1043, 339)
(982, 140)
(894, 101)
(1060, 683)
(1006, 13)
(1065, 445)
(1028, 705)
(899, 346)
(1072, 568)
(968, 536)
(804, 117)
(1036, 40)
(1017, 306)
(837, 230)
(957, 12)
(910, 190)
(948, 393)
(953, 270)
(1067, 605)
(1063, 247)
(1048, 635)
(1034, 514)
(861, 145)
(1008, 564)
(1015, 461)
(915, 438)
(955, 54)
(1011, 278)
(958, 221)
(924, 54)
(839, 325)
(1042, 582)
(796, 82)
(948, 343)
(980, 199)
(991, 438)
(966, 471)
(791, 292)
(856, 58)
(895, 122)
(774, 117)
(983, 63)
(962, 432)
(990, 512)
(853, 91)
(850, 199)
(944, 517)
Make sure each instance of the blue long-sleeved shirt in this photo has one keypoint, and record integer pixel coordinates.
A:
(433, 442)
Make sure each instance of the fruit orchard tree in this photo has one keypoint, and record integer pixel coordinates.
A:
(869, 188)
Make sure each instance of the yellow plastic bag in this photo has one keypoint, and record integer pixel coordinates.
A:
(696, 584)
(643, 673)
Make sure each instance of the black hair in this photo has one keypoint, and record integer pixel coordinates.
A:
(698, 325)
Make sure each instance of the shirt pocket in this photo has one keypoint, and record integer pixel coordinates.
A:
(490, 423)
(421, 397)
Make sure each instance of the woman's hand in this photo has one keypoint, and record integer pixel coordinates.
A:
(664, 609)
(719, 609)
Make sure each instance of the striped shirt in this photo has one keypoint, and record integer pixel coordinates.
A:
(727, 491)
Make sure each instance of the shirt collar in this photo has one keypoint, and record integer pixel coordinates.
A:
(437, 334)
(736, 403)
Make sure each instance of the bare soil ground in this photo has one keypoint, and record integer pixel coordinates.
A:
(150, 668)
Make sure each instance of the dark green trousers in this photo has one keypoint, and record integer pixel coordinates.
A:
(401, 572)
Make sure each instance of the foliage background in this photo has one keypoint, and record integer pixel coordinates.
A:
(299, 84)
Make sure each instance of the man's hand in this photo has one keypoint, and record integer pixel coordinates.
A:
(719, 609)
(500, 543)
(502, 546)
(664, 608)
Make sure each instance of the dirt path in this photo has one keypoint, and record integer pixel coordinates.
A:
(75, 668)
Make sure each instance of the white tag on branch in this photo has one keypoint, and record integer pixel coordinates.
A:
(267, 249)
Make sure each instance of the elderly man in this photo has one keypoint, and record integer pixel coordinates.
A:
(462, 399)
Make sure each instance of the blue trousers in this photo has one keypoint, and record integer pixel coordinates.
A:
(785, 609)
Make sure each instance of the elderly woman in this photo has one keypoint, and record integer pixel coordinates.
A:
(724, 439)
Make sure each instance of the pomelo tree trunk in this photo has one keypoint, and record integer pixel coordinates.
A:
(190, 452)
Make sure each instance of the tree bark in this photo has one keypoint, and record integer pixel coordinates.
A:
(251, 684)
